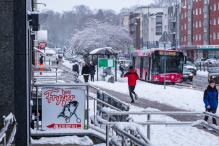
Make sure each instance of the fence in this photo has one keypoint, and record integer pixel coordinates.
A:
(148, 123)
(6, 122)
(206, 66)
(50, 77)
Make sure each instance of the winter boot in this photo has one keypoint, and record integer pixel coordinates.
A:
(132, 101)
(136, 96)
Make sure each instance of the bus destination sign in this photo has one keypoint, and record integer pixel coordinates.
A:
(167, 53)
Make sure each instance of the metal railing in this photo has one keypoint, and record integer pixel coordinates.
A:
(149, 122)
(206, 66)
(6, 122)
(53, 77)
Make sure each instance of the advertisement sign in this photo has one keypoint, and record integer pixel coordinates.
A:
(104, 62)
(63, 108)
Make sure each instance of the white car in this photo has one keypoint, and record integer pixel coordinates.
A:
(209, 62)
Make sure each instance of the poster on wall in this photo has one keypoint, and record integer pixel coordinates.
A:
(63, 108)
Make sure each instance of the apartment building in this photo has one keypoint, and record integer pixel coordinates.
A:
(214, 22)
(200, 31)
(173, 25)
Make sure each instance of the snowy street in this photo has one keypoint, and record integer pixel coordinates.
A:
(172, 99)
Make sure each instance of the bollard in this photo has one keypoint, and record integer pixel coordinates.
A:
(200, 66)
(148, 127)
(132, 133)
(74, 77)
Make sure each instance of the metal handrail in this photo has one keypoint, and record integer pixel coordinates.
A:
(3, 131)
(134, 139)
(149, 113)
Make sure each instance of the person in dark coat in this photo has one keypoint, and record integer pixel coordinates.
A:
(132, 77)
(121, 68)
(211, 99)
(85, 72)
(57, 61)
(92, 71)
(75, 68)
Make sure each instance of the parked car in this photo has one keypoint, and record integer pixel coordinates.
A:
(214, 74)
(209, 62)
(187, 75)
(198, 61)
(215, 64)
(191, 67)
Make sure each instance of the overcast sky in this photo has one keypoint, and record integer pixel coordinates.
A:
(66, 5)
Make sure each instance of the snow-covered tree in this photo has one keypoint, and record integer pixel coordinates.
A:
(98, 35)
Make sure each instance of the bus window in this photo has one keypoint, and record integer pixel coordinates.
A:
(146, 63)
(173, 64)
(156, 66)
(137, 63)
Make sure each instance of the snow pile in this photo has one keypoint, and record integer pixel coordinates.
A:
(2, 137)
(149, 109)
(107, 109)
(64, 140)
(202, 73)
(10, 117)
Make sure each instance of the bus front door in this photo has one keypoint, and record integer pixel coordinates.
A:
(141, 67)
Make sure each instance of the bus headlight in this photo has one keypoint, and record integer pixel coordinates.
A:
(190, 74)
(213, 77)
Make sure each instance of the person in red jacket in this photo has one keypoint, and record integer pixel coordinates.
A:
(132, 77)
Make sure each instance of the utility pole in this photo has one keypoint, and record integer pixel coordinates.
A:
(176, 27)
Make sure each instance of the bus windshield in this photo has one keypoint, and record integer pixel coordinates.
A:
(174, 64)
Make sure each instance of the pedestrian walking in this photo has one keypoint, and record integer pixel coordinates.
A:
(211, 100)
(75, 68)
(41, 64)
(57, 61)
(85, 72)
(132, 77)
(121, 68)
(92, 71)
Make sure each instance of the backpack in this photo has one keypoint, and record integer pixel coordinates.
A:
(120, 67)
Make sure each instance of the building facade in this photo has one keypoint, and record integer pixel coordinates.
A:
(200, 28)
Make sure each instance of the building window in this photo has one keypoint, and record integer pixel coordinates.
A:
(214, 21)
(200, 37)
(196, 11)
(196, 38)
(218, 6)
(214, 35)
(182, 16)
(181, 27)
(200, 10)
(200, 23)
(210, 36)
(218, 21)
(184, 26)
(196, 24)
(210, 21)
(184, 38)
(196, 0)
(215, 7)
(185, 15)
(185, 2)
(181, 39)
(218, 35)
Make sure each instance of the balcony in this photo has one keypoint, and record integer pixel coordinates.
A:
(132, 21)
(173, 31)
(158, 33)
(173, 19)
(159, 23)
(132, 29)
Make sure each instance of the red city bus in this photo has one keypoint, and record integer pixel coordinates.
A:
(149, 65)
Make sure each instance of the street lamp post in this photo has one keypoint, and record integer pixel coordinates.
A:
(176, 27)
